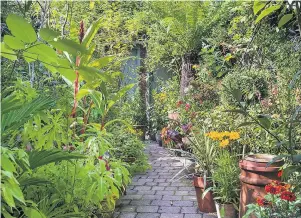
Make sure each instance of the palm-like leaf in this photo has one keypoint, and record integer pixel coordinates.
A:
(40, 158)
(15, 118)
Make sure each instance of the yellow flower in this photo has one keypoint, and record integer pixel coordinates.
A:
(224, 143)
(234, 135)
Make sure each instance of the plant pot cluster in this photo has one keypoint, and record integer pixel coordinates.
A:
(255, 175)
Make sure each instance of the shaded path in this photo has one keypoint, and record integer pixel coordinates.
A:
(152, 195)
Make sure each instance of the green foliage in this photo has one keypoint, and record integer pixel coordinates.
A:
(252, 84)
(225, 177)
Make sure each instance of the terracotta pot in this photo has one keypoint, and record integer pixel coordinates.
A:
(254, 175)
(225, 210)
(205, 204)
(174, 116)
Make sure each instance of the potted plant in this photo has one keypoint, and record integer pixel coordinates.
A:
(261, 169)
(204, 155)
(226, 185)
(280, 200)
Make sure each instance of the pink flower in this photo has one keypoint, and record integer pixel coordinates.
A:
(187, 106)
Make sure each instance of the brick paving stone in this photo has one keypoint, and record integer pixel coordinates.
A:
(151, 183)
(141, 202)
(189, 197)
(171, 188)
(152, 197)
(156, 188)
(147, 209)
(147, 192)
(143, 188)
(159, 180)
(170, 215)
(165, 209)
(162, 203)
(172, 197)
(181, 193)
(127, 215)
(165, 192)
(189, 210)
(183, 203)
(127, 208)
(148, 215)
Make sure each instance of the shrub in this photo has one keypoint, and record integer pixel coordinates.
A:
(252, 83)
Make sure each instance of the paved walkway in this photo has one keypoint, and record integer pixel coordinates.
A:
(152, 195)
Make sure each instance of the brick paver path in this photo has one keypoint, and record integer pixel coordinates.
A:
(152, 195)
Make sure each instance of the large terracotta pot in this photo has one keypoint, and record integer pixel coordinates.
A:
(254, 175)
(225, 210)
(205, 204)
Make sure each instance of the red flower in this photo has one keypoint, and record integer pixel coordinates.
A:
(280, 173)
(262, 202)
(100, 157)
(273, 189)
(179, 103)
(287, 195)
(187, 106)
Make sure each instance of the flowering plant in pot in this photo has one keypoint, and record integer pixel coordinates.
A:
(204, 153)
(280, 201)
(225, 175)
(226, 185)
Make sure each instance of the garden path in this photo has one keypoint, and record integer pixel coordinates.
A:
(152, 195)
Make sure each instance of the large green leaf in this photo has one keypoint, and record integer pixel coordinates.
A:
(237, 94)
(20, 28)
(7, 52)
(33, 213)
(43, 53)
(15, 118)
(266, 12)
(264, 121)
(13, 42)
(286, 18)
(258, 5)
(69, 46)
(48, 34)
(101, 62)
(92, 30)
(44, 157)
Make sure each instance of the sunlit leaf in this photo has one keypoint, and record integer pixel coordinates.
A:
(101, 62)
(267, 12)
(20, 28)
(7, 52)
(13, 42)
(48, 34)
(258, 5)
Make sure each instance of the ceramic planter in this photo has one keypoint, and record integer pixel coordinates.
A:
(159, 139)
(174, 116)
(254, 176)
(206, 204)
(225, 210)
